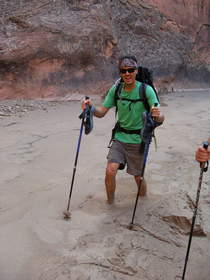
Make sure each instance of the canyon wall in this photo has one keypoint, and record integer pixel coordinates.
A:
(53, 48)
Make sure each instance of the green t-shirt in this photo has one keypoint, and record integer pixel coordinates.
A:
(129, 114)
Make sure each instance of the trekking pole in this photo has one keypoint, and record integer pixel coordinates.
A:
(66, 213)
(203, 168)
(146, 151)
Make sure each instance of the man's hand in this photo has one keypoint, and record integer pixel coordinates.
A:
(85, 102)
(156, 114)
(202, 155)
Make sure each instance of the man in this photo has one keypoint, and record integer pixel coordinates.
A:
(125, 148)
(203, 155)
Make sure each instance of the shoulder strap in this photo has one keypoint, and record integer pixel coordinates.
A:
(142, 95)
(117, 94)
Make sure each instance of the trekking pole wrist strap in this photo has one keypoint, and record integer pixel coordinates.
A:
(93, 109)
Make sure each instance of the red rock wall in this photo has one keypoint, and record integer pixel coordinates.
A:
(192, 17)
(60, 47)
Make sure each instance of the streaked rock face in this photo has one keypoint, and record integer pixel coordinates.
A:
(55, 48)
(190, 17)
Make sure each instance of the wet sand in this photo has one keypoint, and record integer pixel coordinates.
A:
(37, 153)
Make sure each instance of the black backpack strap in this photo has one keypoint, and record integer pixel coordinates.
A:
(142, 95)
(118, 128)
(117, 93)
(132, 100)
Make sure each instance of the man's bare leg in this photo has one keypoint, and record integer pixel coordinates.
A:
(110, 180)
(143, 189)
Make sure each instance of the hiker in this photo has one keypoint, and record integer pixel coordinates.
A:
(201, 154)
(125, 148)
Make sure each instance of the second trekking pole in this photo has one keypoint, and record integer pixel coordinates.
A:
(146, 150)
(148, 132)
(204, 168)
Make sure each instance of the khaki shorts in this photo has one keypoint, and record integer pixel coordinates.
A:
(124, 153)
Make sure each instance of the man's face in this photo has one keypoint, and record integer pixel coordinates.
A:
(128, 74)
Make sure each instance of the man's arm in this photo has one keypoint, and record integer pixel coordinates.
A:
(98, 112)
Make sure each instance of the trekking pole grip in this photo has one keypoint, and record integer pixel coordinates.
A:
(204, 165)
(155, 105)
(205, 145)
(87, 105)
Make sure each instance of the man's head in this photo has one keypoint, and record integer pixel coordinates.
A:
(128, 69)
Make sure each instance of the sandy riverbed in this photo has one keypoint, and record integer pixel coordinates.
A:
(37, 152)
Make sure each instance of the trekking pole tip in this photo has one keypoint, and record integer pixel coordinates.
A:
(66, 215)
(130, 226)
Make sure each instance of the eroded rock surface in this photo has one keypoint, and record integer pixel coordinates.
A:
(53, 48)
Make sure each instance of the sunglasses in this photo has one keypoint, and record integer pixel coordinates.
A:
(129, 70)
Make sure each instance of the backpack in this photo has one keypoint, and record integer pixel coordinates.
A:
(144, 76)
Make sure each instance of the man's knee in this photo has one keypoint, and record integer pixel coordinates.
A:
(111, 169)
(138, 179)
